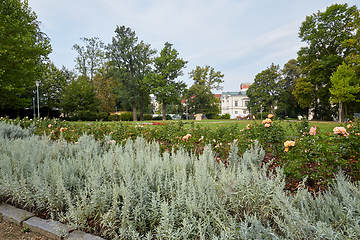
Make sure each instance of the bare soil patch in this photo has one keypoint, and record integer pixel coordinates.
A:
(10, 231)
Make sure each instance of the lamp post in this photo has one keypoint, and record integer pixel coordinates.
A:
(34, 107)
(37, 95)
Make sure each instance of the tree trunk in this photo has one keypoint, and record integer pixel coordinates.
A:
(141, 103)
(163, 111)
(134, 110)
(345, 107)
(341, 112)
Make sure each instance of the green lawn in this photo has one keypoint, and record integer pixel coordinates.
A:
(323, 126)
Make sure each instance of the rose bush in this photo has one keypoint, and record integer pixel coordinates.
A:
(309, 152)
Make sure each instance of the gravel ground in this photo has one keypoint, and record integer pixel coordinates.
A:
(9, 231)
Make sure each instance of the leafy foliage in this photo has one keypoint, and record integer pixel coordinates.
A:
(199, 97)
(90, 58)
(263, 92)
(52, 86)
(345, 86)
(23, 49)
(132, 60)
(324, 32)
(79, 96)
(168, 66)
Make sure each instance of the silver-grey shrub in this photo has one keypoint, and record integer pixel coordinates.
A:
(134, 192)
(11, 131)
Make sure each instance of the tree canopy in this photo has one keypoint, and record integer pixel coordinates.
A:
(90, 58)
(200, 99)
(132, 60)
(168, 67)
(263, 92)
(23, 50)
(324, 34)
(345, 87)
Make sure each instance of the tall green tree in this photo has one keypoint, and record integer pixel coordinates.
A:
(345, 88)
(263, 93)
(353, 59)
(143, 74)
(324, 33)
(104, 88)
(304, 92)
(23, 50)
(207, 76)
(123, 54)
(52, 86)
(168, 67)
(200, 98)
(90, 57)
(132, 60)
(287, 104)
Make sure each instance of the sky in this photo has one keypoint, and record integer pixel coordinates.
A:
(239, 38)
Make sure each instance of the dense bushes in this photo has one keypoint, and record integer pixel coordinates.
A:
(10, 131)
(317, 157)
(134, 192)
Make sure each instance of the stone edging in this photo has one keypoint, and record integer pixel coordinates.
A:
(49, 228)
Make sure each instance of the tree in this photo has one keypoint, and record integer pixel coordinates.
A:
(324, 33)
(23, 50)
(207, 76)
(52, 86)
(90, 57)
(200, 99)
(263, 93)
(143, 74)
(287, 104)
(132, 60)
(353, 60)
(104, 89)
(304, 92)
(168, 66)
(79, 96)
(345, 87)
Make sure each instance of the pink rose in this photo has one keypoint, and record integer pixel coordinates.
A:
(312, 131)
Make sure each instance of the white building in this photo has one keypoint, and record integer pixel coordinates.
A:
(155, 104)
(235, 103)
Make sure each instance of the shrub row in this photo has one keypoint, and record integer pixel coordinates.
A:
(132, 191)
(317, 157)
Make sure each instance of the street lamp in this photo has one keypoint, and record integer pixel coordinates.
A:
(37, 95)
(34, 107)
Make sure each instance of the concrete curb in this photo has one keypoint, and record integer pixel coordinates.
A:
(49, 228)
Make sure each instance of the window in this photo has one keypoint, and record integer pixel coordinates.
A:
(244, 111)
(236, 112)
(246, 103)
(236, 104)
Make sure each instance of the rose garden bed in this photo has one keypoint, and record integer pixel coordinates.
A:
(186, 181)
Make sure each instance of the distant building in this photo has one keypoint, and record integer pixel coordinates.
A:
(235, 103)
(155, 104)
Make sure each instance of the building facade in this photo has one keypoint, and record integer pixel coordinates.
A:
(235, 103)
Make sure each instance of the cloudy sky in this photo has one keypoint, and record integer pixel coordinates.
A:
(240, 38)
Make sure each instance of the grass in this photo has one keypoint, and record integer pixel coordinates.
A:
(324, 126)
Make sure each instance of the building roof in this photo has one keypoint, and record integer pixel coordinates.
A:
(217, 96)
(245, 85)
(241, 93)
